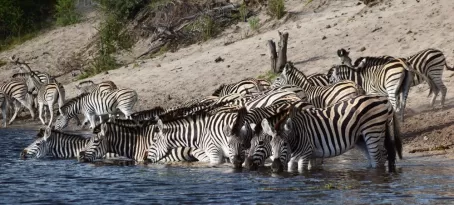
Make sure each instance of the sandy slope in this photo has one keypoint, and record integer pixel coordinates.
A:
(400, 28)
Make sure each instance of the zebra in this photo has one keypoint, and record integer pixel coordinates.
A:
(147, 114)
(48, 95)
(97, 104)
(28, 78)
(131, 142)
(380, 75)
(261, 142)
(429, 62)
(16, 93)
(90, 87)
(319, 96)
(318, 79)
(248, 85)
(368, 121)
(214, 134)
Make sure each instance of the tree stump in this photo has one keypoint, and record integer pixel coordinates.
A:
(279, 58)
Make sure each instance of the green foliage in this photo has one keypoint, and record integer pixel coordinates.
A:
(66, 13)
(101, 63)
(243, 12)
(161, 51)
(19, 18)
(13, 41)
(157, 4)
(254, 23)
(124, 9)
(276, 8)
(206, 26)
(113, 37)
(2, 63)
(269, 76)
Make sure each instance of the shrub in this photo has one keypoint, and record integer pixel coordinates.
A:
(276, 8)
(205, 25)
(66, 13)
(243, 12)
(254, 23)
(269, 76)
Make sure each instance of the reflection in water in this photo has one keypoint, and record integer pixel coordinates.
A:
(343, 180)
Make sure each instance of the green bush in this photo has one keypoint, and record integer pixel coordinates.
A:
(66, 13)
(254, 23)
(276, 8)
(122, 9)
(243, 12)
(269, 76)
(206, 26)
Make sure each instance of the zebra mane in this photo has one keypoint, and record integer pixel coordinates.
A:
(157, 109)
(258, 129)
(373, 60)
(290, 67)
(240, 119)
(87, 82)
(217, 92)
(97, 128)
(15, 75)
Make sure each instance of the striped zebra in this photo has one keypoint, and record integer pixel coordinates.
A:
(90, 87)
(213, 134)
(131, 142)
(429, 62)
(261, 142)
(318, 79)
(16, 94)
(379, 75)
(147, 114)
(43, 78)
(97, 104)
(49, 95)
(327, 132)
(319, 96)
(245, 86)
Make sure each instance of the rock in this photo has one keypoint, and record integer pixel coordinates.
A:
(219, 59)
(362, 49)
(159, 65)
(328, 26)
(228, 66)
(409, 32)
(107, 72)
(324, 37)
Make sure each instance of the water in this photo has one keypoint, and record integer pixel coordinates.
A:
(345, 181)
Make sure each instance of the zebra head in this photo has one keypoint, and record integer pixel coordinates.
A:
(344, 58)
(260, 148)
(158, 148)
(61, 122)
(239, 141)
(280, 146)
(97, 146)
(333, 74)
(39, 147)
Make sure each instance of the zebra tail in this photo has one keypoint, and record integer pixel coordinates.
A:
(390, 148)
(408, 67)
(397, 136)
(449, 68)
(61, 98)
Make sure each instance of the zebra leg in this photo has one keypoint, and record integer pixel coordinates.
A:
(439, 86)
(375, 146)
(17, 107)
(303, 164)
(361, 144)
(200, 155)
(291, 165)
(91, 118)
(50, 107)
(4, 112)
(40, 111)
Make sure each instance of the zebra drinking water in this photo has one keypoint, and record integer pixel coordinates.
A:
(328, 132)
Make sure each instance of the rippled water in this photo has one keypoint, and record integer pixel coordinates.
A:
(344, 181)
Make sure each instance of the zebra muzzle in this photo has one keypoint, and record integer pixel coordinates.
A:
(23, 154)
(277, 166)
(249, 164)
(237, 161)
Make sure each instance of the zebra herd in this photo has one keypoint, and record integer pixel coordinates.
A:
(296, 119)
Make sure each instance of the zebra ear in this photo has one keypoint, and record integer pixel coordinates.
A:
(160, 125)
(267, 128)
(288, 125)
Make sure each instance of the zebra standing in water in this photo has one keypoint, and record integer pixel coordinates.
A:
(97, 104)
(49, 95)
(382, 75)
(90, 87)
(248, 85)
(319, 96)
(212, 134)
(328, 132)
(28, 79)
(261, 142)
(131, 142)
(429, 62)
(16, 93)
